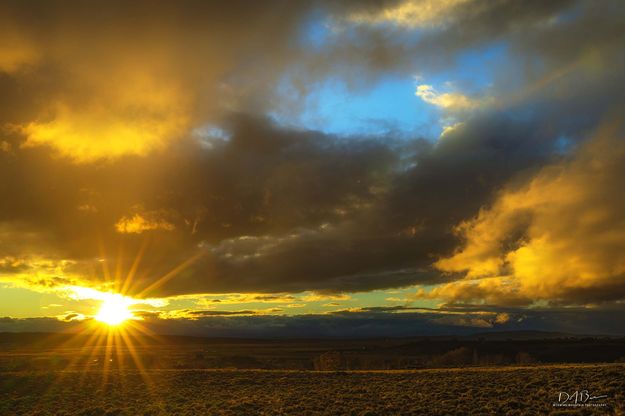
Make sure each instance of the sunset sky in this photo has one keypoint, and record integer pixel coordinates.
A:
(313, 168)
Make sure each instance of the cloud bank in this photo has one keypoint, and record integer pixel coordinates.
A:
(148, 147)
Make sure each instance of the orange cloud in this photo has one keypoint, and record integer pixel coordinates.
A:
(560, 237)
(130, 116)
(140, 223)
(129, 81)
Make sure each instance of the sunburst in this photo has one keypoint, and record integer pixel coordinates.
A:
(116, 336)
(114, 310)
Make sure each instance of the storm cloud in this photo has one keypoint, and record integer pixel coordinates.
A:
(147, 148)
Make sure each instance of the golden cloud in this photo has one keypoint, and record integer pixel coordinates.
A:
(411, 13)
(560, 237)
(129, 82)
(133, 117)
(447, 101)
(488, 290)
(139, 223)
(318, 297)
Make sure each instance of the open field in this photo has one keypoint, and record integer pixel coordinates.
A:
(43, 374)
(479, 391)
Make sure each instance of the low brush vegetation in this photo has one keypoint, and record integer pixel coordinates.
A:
(431, 376)
(476, 391)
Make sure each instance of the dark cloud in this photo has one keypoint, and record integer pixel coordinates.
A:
(378, 38)
(269, 209)
(259, 207)
(101, 80)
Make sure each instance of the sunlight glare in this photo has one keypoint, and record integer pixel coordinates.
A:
(114, 310)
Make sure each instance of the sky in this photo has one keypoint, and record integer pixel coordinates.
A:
(313, 168)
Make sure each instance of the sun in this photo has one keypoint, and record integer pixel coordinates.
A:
(114, 310)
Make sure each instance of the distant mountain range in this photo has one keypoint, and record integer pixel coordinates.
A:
(46, 339)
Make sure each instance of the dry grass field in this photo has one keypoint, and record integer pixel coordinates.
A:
(470, 391)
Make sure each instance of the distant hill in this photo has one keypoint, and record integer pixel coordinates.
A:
(51, 340)
(522, 335)
(29, 351)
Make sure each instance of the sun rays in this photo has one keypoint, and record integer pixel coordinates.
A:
(114, 338)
